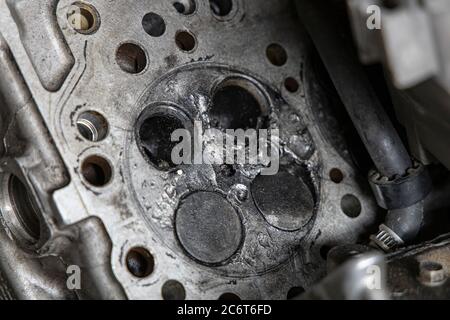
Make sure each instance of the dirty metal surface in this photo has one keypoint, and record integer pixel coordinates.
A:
(273, 241)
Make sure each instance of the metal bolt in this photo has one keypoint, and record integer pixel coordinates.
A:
(432, 273)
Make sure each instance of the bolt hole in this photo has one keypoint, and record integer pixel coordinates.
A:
(324, 251)
(173, 290)
(92, 126)
(155, 138)
(83, 18)
(24, 208)
(131, 58)
(277, 55)
(96, 171)
(185, 41)
(221, 8)
(351, 206)
(336, 175)
(185, 7)
(227, 170)
(391, 4)
(238, 104)
(431, 266)
(140, 262)
(294, 292)
(291, 85)
(228, 296)
(154, 24)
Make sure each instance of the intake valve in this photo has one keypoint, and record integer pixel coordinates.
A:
(208, 227)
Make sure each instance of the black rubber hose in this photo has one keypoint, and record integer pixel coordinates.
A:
(407, 222)
(334, 44)
(371, 121)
